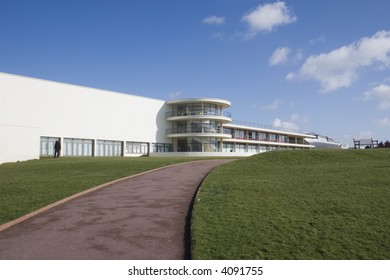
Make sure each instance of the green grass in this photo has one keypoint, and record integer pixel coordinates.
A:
(296, 205)
(30, 185)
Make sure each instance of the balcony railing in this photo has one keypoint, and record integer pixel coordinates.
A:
(264, 126)
(193, 130)
(199, 113)
(271, 140)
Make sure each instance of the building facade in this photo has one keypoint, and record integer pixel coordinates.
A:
(34, 113)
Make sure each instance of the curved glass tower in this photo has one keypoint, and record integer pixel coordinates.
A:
(197, 124)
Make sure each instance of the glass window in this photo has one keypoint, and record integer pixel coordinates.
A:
(181, 110)
(181, 127)
(263, 148)
(210, 126)
(228, 131)
(144, 148)
(283, 139)
(195, 144)
(194, 109)
(252, 148)
(195, 126)
(190, 144)
(137, 148)
(210, 145)
(210, 109)
(109, 148)
(162, 147)
(227, 147)
(77, 147)
(239, 134)
(182, 145)
(189, 109)
(252, 135)
(262, 136)
(47, 146)
(240, 148)
(292, 140)
(67, 148)
(272, 137)
(87, 148)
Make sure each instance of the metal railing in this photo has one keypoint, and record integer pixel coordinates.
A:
(199, 113)
(264, 126)
(190, 130)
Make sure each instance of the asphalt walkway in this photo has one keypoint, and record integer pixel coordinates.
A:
(143, 217)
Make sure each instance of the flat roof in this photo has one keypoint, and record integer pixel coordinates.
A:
(222, 102)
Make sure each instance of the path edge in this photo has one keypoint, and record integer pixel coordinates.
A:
(30, 215)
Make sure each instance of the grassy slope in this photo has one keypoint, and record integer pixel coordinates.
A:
(27, 186)
(296, 205)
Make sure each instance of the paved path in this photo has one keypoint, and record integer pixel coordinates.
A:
(140, 218)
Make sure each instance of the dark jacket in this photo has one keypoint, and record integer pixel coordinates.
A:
(57, 145)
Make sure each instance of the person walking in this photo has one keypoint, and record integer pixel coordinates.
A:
(57, 148)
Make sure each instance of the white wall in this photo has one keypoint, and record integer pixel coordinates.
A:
(18, 143)
(63, 110)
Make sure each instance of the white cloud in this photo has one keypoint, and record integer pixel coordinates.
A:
(291, 104)
(284, 124)
(292, 122)
(380, 93)
(267, 17)
(299, 118)
(214, 20)
(384, 122)
(298, 55)
(175, 95)
(290, 76)
(273, 106)
(283, 55)
(279, 56)
(339, 68)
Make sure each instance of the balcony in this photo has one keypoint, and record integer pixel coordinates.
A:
(220, 115)
(199, 113)
(197, 132)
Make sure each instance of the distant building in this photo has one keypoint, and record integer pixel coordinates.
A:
(34, 113)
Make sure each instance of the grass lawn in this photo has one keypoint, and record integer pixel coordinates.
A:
(30, 185)
(296, 205)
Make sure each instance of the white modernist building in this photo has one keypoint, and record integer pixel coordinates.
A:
(34, 113)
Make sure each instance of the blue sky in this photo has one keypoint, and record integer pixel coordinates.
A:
(320, 66)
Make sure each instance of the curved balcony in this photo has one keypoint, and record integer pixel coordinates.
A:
(220, 102)
(197, 132)
(219, 115)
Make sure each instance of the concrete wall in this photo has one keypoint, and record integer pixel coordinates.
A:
(18, 143)
(30, 108)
